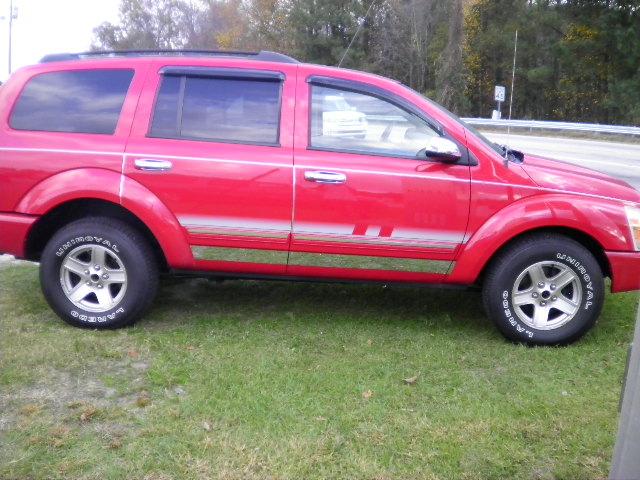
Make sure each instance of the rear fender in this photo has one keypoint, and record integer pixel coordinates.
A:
(101, 184)
(601, 219)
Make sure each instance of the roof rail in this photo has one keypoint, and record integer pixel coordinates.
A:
(262, 55)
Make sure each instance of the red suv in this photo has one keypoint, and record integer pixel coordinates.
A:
(119, 166)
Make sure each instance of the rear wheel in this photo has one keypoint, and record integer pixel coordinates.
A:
(545, 289)
(98, 273)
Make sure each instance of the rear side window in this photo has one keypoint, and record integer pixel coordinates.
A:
(77, 101)
(228, 110)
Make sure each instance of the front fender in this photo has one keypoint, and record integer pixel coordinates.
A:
(101, 184)
(602, 220)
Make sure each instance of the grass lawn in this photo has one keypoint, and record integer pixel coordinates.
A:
(275, 380)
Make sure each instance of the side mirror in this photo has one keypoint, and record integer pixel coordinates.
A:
(442, 149)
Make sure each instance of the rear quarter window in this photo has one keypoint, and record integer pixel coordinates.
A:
(78, 101)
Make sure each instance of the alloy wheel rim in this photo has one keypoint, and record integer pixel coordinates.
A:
(93, 278)
(547, 295)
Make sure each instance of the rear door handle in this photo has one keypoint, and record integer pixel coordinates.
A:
(325, 177)
(153, 165)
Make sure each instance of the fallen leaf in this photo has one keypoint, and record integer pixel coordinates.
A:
(411, 380)
(30, 409)
(133, 354)
(367, 395)
(143, 400)
(57, 442)
(88, 413)
(115, 444)
(191, 348)
(59, 431)
(58, 436)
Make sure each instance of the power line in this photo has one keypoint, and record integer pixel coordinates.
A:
(356, 34)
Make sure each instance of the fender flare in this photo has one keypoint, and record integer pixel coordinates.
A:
(102, 184)
(602, 220)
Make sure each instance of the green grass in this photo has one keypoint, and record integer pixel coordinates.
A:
(276, 380)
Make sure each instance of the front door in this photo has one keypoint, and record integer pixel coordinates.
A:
(367, 204)
(214, 144)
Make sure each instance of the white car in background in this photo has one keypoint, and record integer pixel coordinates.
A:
(339, 119)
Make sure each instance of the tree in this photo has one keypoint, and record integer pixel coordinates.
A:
(173, 24)
(577, 59)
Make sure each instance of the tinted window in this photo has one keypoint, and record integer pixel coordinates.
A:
(356, 122)
(79, 101)
(218, 109)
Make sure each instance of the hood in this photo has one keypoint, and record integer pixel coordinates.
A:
(559, 175)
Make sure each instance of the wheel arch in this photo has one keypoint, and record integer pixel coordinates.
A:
(598, 224)
(70, 211)
(57, 201)
(583, 238)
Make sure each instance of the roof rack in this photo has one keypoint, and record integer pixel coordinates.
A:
(262, 55)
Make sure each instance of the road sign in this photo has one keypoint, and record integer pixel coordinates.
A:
(500, 93)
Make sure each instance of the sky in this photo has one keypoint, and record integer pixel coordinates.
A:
(50, 26)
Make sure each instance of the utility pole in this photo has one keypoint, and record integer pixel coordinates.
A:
(513, 73)
(12, 16)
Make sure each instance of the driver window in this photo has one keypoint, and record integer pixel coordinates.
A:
(361, 123)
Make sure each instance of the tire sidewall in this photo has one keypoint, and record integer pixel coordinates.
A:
(66, 241)
(589, 274)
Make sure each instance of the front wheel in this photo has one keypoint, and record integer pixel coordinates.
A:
(98, 273)
(545, 289)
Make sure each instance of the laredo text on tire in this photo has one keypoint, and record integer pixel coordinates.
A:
(545, 289)
(98, 273)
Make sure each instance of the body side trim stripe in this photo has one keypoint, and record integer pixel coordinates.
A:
(359, 239)
(209, 159)
(279, 257)
(240, 255)
(288, 165)
(366, 262)
(197, 230)
(60, 150)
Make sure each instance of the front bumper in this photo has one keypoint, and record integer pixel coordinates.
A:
(625, 271)
(14, 228)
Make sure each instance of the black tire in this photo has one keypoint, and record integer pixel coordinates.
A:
(130, 250)
(558, 254)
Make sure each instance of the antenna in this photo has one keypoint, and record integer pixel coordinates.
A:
(356, 34)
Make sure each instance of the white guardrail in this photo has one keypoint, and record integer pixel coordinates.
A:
(544, 125)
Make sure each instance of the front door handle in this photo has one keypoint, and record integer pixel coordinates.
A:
(325, 177)
(153, 165)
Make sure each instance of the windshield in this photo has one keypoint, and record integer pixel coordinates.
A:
(494, 146)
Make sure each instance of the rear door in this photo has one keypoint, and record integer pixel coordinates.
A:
(214, 143)
(368, 204)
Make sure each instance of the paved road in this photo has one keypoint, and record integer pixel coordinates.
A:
(620, 160)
